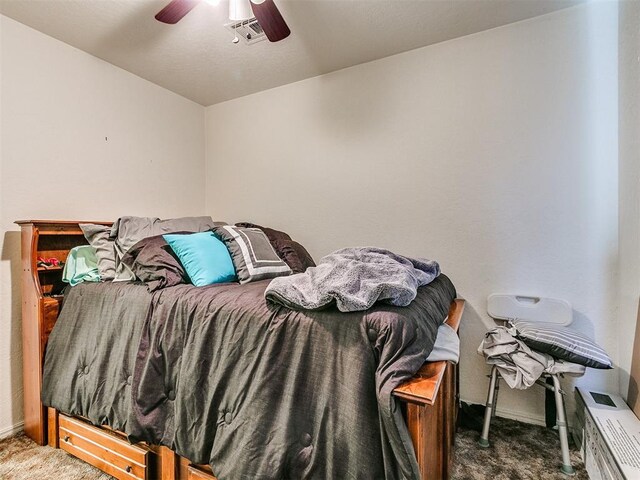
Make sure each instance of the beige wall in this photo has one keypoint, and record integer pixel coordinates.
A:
(629, 115)
(495, 154)
(82, 139)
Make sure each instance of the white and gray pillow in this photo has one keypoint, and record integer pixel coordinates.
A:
(252, 254)
(562, 342)
(99, 237)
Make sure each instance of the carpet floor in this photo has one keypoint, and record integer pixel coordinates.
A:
(518, 451)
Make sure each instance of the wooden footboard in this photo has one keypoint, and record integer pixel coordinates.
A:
(430, 398)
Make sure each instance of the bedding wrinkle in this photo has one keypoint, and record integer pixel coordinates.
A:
(254, 389)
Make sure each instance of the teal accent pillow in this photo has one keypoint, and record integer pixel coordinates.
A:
(205, 258)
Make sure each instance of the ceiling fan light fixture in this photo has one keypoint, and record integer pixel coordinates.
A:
(259, 18)
(240, 10)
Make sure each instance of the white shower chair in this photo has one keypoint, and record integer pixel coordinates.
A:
(508, 307)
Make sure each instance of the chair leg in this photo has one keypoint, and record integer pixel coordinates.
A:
(562, 428)
(495, 397)
(550, 411)
(484, 436)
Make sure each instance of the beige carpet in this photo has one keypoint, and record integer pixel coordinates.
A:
(22, 459)
(518, 452)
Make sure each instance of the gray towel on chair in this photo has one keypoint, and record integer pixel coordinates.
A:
(517, 363)
(354, 278)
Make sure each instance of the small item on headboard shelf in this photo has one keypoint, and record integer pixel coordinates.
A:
(52, 263)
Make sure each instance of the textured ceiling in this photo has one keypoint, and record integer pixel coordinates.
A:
(195, 58)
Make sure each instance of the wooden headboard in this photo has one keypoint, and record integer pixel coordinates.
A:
(41, 301)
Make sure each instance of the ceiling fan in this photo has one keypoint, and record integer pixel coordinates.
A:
(265, 12)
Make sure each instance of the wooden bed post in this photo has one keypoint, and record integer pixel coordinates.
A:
(169, 462)
(431, 425)
(52, 426)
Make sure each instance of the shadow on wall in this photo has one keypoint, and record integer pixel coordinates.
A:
(472, 328)
(633, 396)
(583, 324)
(474, 317)
(11, 253)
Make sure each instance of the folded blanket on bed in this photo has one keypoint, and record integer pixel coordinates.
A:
(354, 278)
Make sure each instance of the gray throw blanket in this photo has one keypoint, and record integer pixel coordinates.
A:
(354, 278)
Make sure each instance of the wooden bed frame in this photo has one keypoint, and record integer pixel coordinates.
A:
(429, 399)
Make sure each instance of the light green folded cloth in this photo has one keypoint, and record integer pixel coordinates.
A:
(81, 266)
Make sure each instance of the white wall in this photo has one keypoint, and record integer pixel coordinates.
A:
(82, 139)
(495, 154)
(629, 194)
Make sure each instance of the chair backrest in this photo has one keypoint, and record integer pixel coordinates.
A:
(534, 309)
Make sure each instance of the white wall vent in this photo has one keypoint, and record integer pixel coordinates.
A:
(248, 30)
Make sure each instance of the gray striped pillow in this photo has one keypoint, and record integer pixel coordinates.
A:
(562, 342)
(252, 253)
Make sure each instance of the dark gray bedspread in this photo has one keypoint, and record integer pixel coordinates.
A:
(254, 389)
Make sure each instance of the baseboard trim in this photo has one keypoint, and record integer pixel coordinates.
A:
(521, 417)
(513, 415)
(11, 430)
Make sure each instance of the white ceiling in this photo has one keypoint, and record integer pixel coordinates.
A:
(195, 58)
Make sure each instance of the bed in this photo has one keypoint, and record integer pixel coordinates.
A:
(212, 376)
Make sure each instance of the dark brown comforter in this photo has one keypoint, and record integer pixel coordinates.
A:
(253, 389)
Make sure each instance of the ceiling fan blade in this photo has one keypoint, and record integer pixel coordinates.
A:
(270, 20)
(175, 10)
